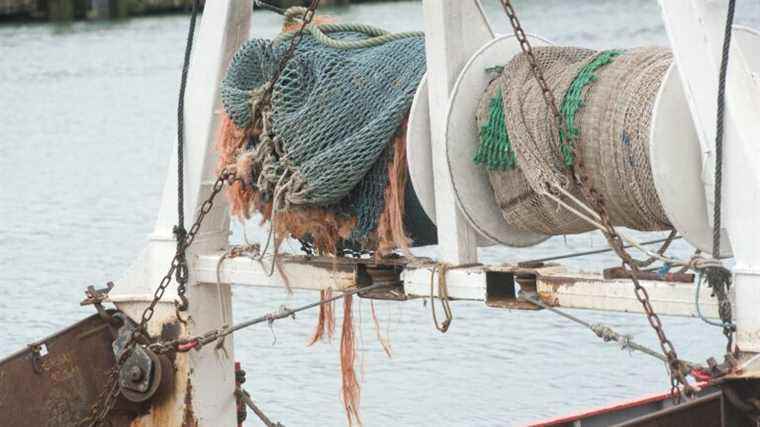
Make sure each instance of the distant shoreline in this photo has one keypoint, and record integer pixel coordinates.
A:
(72, 10)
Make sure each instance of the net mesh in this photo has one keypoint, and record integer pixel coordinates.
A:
(607, 101)
(333, 113)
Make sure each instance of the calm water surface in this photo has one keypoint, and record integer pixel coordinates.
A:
(86, 125)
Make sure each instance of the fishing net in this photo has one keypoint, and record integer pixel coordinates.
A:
(326, 139)
(607, 101)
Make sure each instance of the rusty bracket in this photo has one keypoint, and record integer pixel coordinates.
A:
(624, 273)
(38, 350)
(369, 275)
(143, 372)
(96, 297)
(242, 412)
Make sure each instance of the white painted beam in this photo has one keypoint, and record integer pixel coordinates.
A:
(695, 29)
(204, 380)
(295, 272)
(595, 293)
(569, 290)
(453, 29)
(554, 284)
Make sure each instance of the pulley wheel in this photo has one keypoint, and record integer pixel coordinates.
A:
(161, 380)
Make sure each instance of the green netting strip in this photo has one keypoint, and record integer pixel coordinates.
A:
(573, 100)
(495, 150)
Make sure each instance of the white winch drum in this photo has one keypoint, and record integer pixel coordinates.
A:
(676, 154)
(472, 188)
(419, 155)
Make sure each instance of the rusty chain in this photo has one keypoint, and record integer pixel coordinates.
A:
(206, 207)
(294, 42)
(104, 402)
(185, 344)
(676, 367)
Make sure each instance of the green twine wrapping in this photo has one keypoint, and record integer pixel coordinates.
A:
(573, 101)
(495, 150)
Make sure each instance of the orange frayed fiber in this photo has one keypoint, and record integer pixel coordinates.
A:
(384, 341)
(324, 227)
(390, 228)
(351, 392)
(326, 320)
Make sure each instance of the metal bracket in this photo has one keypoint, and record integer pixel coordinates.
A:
(624, 273)
(96, 297)
(368, 275)
(143, 372)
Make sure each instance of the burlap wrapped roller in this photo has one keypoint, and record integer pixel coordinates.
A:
(607, 101)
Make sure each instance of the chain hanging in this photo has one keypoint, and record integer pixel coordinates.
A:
(676, 367)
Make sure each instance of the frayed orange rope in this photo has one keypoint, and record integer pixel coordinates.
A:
(324, 227)
(229, 139)
(351, 392)
(326, 320)
(384, 341)
(390, 229)
(296, 25)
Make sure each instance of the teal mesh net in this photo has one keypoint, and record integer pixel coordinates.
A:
(334, 112)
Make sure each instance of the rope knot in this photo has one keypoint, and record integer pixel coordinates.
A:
(604, 332)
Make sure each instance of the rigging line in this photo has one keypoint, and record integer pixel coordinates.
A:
(591, 252)
(443, 295)
(246, 397)
(181, 118)
(700, 279)
(287, 312)
(180, 233)
(719, 277)
(198, 341)
(268, 6)
(720, 121)
(694, 262)
(604, 332)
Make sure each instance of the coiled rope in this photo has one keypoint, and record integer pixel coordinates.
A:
(377, 36)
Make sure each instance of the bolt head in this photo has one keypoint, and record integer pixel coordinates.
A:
(135, 374)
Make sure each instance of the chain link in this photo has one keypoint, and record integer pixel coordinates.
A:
(206, 207)
(676, 367)
(104, 403)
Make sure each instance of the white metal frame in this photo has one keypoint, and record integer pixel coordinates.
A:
(453, 28)
(695, 29)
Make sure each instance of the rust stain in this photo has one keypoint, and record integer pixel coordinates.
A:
(548, 298)
(171, 409)
(189, 417)
(510, 303)
(558, 280)
(61, 368)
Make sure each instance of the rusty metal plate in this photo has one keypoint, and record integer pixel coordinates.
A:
(57, 384)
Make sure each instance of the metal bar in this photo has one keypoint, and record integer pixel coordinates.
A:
(624, 273)
(246, 397)
(592, 252)
(286, 312)
(270, 7)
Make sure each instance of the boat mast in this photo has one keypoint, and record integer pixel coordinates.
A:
(695, 29)
(204, 381)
